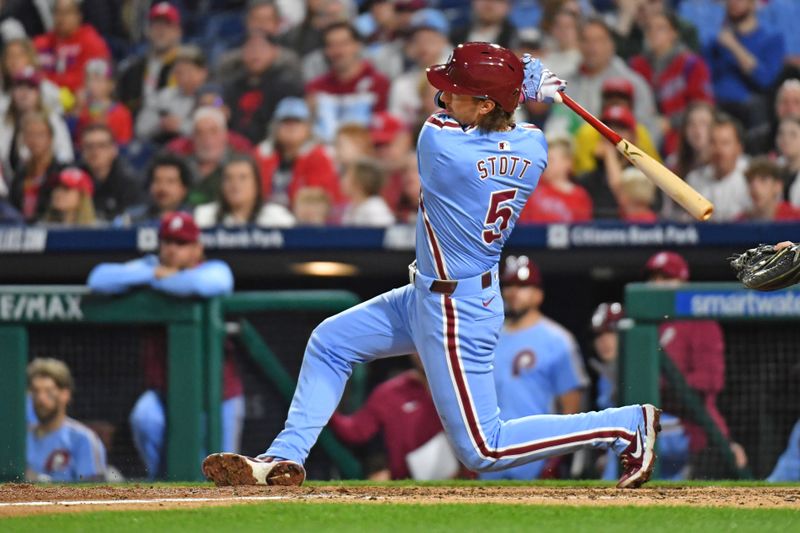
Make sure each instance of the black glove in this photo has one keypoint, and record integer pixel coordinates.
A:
(764, 269)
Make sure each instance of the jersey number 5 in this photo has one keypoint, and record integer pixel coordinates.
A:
(498, 211)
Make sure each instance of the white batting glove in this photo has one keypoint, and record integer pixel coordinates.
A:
(538, 83)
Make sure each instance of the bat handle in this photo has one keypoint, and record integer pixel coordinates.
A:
(604, 130)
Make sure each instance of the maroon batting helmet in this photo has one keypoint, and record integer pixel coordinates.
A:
(668, 264)
(520, 270)
(607, 317)
(483, 70)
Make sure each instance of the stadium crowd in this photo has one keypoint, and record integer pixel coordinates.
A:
(282, 113)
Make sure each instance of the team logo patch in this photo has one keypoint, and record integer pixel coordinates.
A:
(504, 146)
(524, 360)
(57, 461)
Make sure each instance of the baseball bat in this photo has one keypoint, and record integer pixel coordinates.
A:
(666, 180)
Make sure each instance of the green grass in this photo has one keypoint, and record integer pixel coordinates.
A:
(318, 517)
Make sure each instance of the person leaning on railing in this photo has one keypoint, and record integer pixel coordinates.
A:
(179, 269)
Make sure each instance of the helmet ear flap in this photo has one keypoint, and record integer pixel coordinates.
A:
(437, 98)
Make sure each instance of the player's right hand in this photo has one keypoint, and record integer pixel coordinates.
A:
(538, 83)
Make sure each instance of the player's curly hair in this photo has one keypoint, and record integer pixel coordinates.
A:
(498, 119)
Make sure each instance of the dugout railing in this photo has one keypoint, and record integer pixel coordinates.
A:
(760, 399)
(192, 332)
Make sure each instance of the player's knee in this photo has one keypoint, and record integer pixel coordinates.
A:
(474, 461)
(324, 338)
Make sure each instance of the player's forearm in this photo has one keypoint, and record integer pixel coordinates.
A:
(206, 281)
(570, 402)
(115, 278)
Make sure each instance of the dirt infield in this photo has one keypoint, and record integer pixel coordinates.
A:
(26, 499)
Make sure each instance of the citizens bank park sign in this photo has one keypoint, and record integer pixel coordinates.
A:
(40, 307)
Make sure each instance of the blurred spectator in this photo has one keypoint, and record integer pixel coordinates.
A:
(263, 82)
(207, 150)
(33, 16)
(180, 269)
(116, 188)
(96, 104)
(787, 468)
(311, 206)
(291, 159)
(722, 180)
(604, 180)
(393, 142)
(59, 448)
(489, 23)
(402, 410)
(561, 44)
(168, 181)
(538, 368)
(8, 214)
(678, 77)
(353, 142)
(308, 35)
(27, 98)
(427, 45)
(407, 205)
(556, 198)
(694, 141)
(635, 196)
(697, 349)
(240, 200)
(745, 61)
(707, 17)
(64, 51)
(352, 90)
(632, 19)
(615, 92)
(361, 185)
(599, 64)
(168, 113)
(765, 184)
(262, 17)
(607, 321)
(35, 178)
(71, 203)
(789, 147)
(142, 76)
(761, 139)
(781, 16)
(18, 56)
(384, 36)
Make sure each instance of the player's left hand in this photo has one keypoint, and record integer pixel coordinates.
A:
(538, 83)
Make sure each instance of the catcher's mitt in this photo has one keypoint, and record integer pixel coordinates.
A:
(765, 269)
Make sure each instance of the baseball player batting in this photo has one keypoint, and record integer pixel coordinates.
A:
(477, 168)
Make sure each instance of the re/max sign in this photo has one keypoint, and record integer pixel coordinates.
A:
(24, 307)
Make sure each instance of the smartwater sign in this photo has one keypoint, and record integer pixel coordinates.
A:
(738, 303)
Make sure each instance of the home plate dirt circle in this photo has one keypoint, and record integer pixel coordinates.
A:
(25, 499)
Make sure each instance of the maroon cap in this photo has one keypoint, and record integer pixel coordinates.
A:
(483, 70)
(165, 11)
(385, 127)
(76, 178)
(521, 270)
(668, 264)
(179, 226)
(607, 316)
(619, 115)
(619, 86)
(28, 76)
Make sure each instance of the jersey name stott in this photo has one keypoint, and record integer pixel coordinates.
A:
(502, 165)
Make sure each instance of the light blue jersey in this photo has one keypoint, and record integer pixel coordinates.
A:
(533, 366)
(474, 186)
(73, 452)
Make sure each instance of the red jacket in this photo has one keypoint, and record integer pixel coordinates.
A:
(550, 204)
(402, 410)
(63, 59)
(313, 167)
(369, 82)
(697, 348)
(685, 79)
(116, 117)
